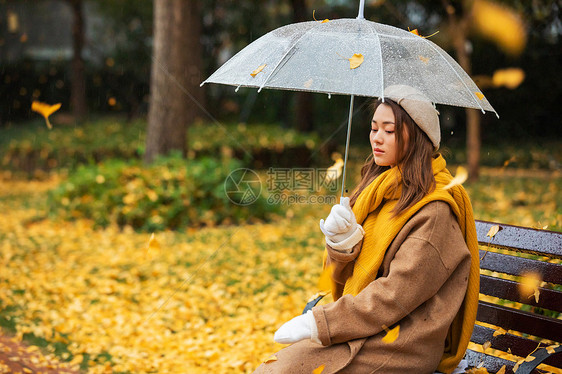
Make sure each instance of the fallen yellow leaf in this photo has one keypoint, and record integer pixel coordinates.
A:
(485, 346)
(499, 332)
(502, 370)
(319, 369)
(529, 358)
(493, 231)
(356, 60)
(258, 70)
(324, 21)
(152, 246)
(391, 335)
(45, 110)
(271, 359)
(551, 348)
(479, 95)
(424, 59)
(459, 179)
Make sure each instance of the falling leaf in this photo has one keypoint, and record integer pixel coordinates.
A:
(529, 285)
(510, 78)
(356, 60)
(271, 359)
(501, 371)
(258, 70)
(152, 247)
(391, 335)
(493, 231)
(45, 110)
(319, 369)
(486, 345)
(551, 348)
(499, 331)
(479, 95)
(424, 59)
(334, 171)
(325, 280)
(459, 179)
(500, 24)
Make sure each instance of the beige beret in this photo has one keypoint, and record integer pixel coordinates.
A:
(419, 107)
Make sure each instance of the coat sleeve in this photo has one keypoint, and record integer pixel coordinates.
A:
(416, 273)
(341, 263)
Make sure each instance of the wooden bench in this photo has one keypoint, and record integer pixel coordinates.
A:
(545, 248)
(527, 325)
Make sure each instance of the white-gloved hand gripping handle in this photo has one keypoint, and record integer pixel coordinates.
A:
(341, 228)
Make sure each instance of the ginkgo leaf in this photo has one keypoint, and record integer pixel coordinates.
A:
(323, 21)
(529, 285)
(510, 78)
(551, 348)
(356, 60)
(45, 110)
(334, 171)
(459, 178)
(416, 32)
(152, 247)
(486, 345)
(270, 359)
(391, 335)
(529, 358)
(499, 331)
(501, 371)
(479, 95)
(318, 294)
(319, 369)
(258, 70)
(493, 231)
(516, 366)
(424, 59)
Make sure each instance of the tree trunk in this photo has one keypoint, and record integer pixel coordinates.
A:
(458, 27)
(78, 84)
(175, 76)
(304, 113)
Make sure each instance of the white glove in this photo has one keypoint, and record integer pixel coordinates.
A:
(299, 328)
(341, 228)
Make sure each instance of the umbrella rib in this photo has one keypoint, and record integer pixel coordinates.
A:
(376, 33)
(457, 74)
(285, 55)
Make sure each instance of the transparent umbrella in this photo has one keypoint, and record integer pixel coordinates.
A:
(353, 57)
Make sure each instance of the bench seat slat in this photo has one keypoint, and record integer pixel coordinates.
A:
(509, 290)
(513, 319)
(519, 346)
(493, 364)
(513, 265)
(522, 239)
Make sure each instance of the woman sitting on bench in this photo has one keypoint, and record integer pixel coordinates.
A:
(403, 257)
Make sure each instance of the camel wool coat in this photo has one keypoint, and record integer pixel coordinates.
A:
(420, 286)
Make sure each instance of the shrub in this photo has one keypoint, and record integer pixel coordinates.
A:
(171, 193)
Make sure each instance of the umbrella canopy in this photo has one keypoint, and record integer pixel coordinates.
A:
(350, 57)
(314, 56)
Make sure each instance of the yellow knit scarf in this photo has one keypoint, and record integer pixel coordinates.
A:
(373, 210)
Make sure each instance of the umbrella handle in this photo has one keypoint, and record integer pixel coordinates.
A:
(347, 144)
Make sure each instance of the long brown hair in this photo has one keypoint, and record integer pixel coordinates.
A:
(414, 160)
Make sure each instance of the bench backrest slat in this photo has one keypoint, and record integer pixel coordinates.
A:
(512, 265)
(525, 322)
(521, 239)
(510, 290)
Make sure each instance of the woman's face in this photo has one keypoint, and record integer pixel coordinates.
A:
(383, 137)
